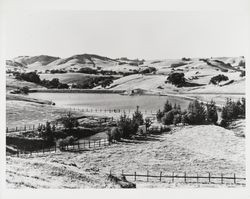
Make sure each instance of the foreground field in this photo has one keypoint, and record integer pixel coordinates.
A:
(191, 149)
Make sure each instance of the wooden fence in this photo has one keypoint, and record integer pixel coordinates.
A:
(33, 127)
(173, 177)
(75, 147)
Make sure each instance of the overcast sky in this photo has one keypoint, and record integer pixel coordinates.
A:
(132, 34)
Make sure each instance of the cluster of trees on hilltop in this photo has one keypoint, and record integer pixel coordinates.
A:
(93, 82)
(35, 78)
(218, 78)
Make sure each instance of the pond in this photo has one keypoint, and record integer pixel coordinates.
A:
(110, 101)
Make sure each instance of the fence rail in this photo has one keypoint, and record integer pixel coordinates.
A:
(74, 147)
(174, 177)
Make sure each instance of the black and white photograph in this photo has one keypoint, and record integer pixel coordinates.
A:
(125, 99)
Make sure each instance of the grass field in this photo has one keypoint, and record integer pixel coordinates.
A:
(191, 149)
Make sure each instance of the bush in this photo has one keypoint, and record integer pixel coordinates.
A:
(159, 115)
(87, 70)
(53, 71)
(162, 129)
(24, 90)
(217, 79)
(168, 118)
(184, 119)
(243, 74)
(115, 134)
(68, 121)
(175, 65)
(177, 119)
(127, 126)
(64, 142)
(177, 79)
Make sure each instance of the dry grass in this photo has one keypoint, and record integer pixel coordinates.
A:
(193, 149)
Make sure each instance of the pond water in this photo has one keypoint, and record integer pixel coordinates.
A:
(110, 101)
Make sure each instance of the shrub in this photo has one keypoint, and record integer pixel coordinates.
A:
(148, 123)
(242, 63)
(24, 90)
(184, 119)
(68, 121)
(64, 142)
(127, 126)
(159, 115)
(87, 70)
(168, 118)
(177, 119)
(185, 59)
(176, 79)
(116, 134)
(212, 115)
(243, 74)
(217, 79)
(175, 65)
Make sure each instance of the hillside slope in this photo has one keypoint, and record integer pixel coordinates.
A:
(188, 149)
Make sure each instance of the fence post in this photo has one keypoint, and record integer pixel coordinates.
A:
(147, 175)
(99, 143)
(135, 176)
(173, 177)
(24, 127)
(185, 178)
(78, 145)
(16, 128)
(89, 143)
(33, 127)
(234, 179)
(221, 178)
(160, 176)
(209, 177)
(7, 129)
(122, 172)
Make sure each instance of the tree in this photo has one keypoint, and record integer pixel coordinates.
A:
(217, 79)
(167, 107)
(177, 119)
(177, 79)
(138, 117)
(168, 118)
(212, 115)
(196, 113)
(126, 126)
(159, 115)
(47, 132)
(24, 90)
(69, 122)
